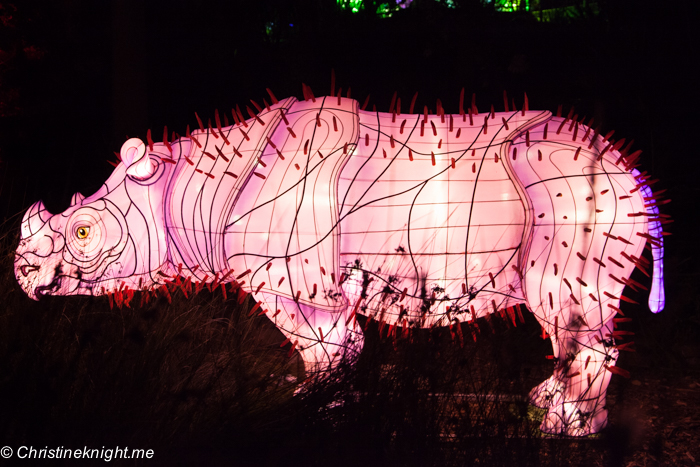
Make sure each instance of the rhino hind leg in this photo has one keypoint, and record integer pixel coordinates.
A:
(321, 338)
(575, 395)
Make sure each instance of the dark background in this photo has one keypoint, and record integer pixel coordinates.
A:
(78, 77)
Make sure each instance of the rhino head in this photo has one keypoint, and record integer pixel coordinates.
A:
(110, 240)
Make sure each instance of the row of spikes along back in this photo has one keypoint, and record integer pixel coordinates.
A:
(628, 160)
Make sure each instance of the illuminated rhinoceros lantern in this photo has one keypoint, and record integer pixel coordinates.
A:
(322, 211)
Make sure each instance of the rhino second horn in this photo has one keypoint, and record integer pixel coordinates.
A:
(34, 219)
(77, 199)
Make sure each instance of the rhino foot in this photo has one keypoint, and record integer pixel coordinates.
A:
(574, 418)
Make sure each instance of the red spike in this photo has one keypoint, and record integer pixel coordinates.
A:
(149, 139)
(461, 102)
(398, 106)
(585, 135)
(493, 113)
(605, 149)
(562, 125)
(486, 124)
(559, 110)
(617, 371)
(505, 101)
(349, 93)
(240, 116)
(272, 96)
(165, 140)
(267, 107)
(577, 153)
(255, 104)
(199, 121)
(526, 105)
(505, 124)
(393, 102)
(211, 130)
(474, 109)
(596, 132)
(252, 115)
(527, 138)
(364, 106)
(515, 152)
(340, 92)
(235, 117)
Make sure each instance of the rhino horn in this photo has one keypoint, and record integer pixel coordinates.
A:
(132, 154)
(34, 219)
(77, 199)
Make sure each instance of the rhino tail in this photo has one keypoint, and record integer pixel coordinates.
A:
(656, 295)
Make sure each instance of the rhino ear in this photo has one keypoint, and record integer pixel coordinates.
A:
(132, 155)
(132, 151)
(77, 199)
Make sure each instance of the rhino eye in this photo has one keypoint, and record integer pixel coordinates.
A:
(82, 232)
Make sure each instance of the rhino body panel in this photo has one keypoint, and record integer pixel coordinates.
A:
(323, 211)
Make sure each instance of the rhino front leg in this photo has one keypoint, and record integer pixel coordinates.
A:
(575, 395)
(322, 338)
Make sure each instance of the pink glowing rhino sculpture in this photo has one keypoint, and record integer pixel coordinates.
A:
(322, 211)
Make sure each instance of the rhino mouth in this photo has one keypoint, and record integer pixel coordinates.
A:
(42, 290)
(51, 287)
